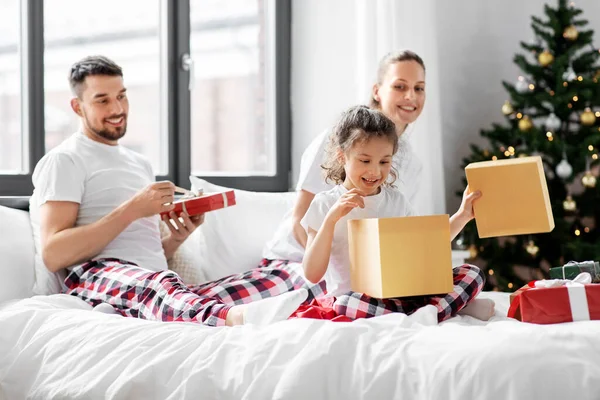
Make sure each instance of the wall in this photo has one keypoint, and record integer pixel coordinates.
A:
(468, 47)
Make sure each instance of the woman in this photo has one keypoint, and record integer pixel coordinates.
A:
(399, 92)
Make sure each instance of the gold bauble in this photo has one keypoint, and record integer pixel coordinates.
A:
(570, 33)
(472, 251)
(545, 58)
(507, 108)
(588, 180)
(525, 124)
(532, 248)
(569, 204)
(587, 117)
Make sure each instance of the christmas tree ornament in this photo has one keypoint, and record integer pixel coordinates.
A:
(587, 117)
(552, 122)
(569, 204)
(564, 169)
(545, 58)
(588, 180)
(532, 248)
(569, 75)
(525, 124)
(522, 86)
(570, 33)
(507, 108)
(472, 251)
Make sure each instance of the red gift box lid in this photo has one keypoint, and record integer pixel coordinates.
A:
(204, 203)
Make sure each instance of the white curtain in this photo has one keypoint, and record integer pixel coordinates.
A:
(387, 25)
(336, 45)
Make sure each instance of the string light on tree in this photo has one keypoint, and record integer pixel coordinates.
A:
(587, 117)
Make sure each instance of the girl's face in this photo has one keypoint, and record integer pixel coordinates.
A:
(368, 164)
(401, 93)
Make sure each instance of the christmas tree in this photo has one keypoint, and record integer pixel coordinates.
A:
(553, 112)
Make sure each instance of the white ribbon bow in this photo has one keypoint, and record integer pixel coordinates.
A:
(577, 297)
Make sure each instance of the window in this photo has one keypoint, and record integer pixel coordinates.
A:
(229, 130)
(223, 115)
(12, 157)
(130, 37)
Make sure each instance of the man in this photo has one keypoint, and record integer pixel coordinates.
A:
(97, 207)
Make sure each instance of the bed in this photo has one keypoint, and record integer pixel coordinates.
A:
(56, 347)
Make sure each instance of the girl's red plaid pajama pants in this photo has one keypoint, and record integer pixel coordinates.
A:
(468, 283)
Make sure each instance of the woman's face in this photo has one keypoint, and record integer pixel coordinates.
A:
(401, 92)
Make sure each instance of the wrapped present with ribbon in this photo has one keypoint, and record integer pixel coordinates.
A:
(573, 268)
(556, 301)
(203, 203)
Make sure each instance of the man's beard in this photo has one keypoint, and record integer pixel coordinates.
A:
(117, 134)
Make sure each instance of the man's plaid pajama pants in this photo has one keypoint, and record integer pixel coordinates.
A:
(162, 296)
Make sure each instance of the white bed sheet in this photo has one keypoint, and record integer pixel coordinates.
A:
(56, 348)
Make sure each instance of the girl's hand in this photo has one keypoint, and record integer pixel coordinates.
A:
(466, 206)
(346, 203)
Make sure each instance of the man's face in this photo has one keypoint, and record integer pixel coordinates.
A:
(103, 107)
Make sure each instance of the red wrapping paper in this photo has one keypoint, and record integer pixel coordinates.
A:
(319, 309)
(204, 203)
(551, 305)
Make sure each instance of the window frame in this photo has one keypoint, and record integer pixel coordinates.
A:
(175, 42)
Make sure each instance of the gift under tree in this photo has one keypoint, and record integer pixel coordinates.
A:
(553, 111)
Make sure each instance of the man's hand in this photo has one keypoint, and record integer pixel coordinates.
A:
(153, 199)
(184, 225)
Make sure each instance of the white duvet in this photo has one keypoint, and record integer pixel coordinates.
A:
(56, 348)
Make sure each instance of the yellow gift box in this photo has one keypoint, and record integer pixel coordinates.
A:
(515, 198)
(399, 257)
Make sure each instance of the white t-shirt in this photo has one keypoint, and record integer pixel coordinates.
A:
(284, 246)
(388, 203)
(100, 178)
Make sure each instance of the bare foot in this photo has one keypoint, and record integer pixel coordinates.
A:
(235, 315)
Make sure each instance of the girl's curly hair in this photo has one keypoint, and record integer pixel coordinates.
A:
(357, 124)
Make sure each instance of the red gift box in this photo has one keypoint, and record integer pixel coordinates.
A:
(201, 204)
(556, 304)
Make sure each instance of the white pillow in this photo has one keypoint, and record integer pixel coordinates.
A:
(16, 255)
(187, 260)
(234, 237)
(46, 282)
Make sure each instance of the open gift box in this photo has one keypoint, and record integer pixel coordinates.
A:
(400, 257)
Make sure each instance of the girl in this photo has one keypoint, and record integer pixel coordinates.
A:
(399, 93)
(359, 160)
